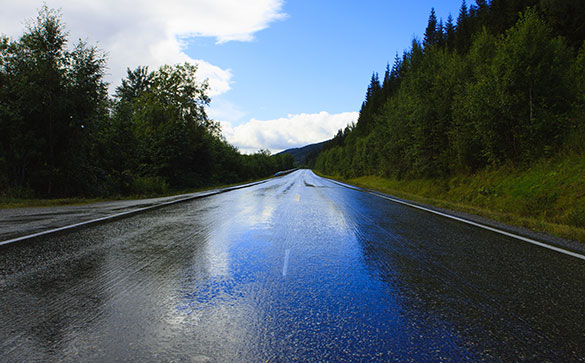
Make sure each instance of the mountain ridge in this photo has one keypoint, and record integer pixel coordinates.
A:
(300, 154)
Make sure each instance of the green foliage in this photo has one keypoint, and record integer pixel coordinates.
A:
(501, 87)
(567, 18)
(519, 92)
(532, 89)
(52, 100)
(169, 124)
(163, 132)
(546, 196)
(580, 76)
(61, 134)
(470, 104)
(149, 185)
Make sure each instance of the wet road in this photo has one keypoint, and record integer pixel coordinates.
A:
(295, 269)
(17, 223)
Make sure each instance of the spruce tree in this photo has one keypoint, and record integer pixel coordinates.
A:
(387, 83)
(450, 33)
(370, 106)
(431, 33)
(463, 33)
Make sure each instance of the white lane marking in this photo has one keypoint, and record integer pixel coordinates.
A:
(131, 212)
(525, 239)
(285, 266)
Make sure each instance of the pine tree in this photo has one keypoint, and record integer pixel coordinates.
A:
(387, 83)
(431, 33)
(463, 31)
(370, 106)
(567, 17)
(482, 7)
(392, 78)
(441, 33)
(450, 33)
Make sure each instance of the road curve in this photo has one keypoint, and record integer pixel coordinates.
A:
(294, 269)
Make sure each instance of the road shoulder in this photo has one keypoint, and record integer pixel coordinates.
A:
(18, 224)
(548, 239)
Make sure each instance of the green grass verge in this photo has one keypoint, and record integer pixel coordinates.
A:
(9, 202)
(547, 197)
(12, 202)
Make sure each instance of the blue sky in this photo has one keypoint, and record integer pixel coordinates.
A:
(282, 73)
(320, 57)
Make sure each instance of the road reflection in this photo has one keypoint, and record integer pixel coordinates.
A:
(294, 269)
(485, 295)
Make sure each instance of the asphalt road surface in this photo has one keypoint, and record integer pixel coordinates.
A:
(294, 269)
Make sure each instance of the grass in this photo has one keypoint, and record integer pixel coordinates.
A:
(547, 197)
(16, 202)
(9, 202)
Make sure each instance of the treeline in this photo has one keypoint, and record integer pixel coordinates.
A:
(504, 83)
(61, 134)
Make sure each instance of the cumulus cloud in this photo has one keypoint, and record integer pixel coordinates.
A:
(285, 133)
(224, 110)
(152, 32)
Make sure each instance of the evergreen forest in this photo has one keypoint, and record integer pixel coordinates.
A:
(503, 83)
(485, 115)
(63, 135)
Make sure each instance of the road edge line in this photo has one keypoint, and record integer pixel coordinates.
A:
(460, 219)
(129, 213)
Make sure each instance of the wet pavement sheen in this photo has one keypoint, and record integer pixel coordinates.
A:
(295, 269)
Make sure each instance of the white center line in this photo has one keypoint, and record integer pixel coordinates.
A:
(285, 266)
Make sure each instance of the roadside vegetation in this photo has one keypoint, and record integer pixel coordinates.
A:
(63, 135)
(548, 196)
(28, 202)
(486, 114)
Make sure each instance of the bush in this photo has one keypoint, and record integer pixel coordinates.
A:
(149, 185)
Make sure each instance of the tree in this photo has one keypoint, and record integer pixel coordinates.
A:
(167, 114)
(387, 83)
(567, 18)
(580, 75)
(473, 104)
(502, 96)
(61, 135)
(432, 33)
(464, 30)
(136, 82)
(450, 33)
(53, 99)
(371, 105)
(519, 102)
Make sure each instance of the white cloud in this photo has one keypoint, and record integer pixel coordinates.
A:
(284, 133)
(150, 32)
(221, 109)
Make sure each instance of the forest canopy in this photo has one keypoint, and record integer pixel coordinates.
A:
(503, 83)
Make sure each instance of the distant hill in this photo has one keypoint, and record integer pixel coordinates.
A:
(300, 153)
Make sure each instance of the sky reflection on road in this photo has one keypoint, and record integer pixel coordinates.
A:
(297, 268)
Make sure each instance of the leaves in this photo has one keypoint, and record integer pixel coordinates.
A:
(62, 135)
(485, 95)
